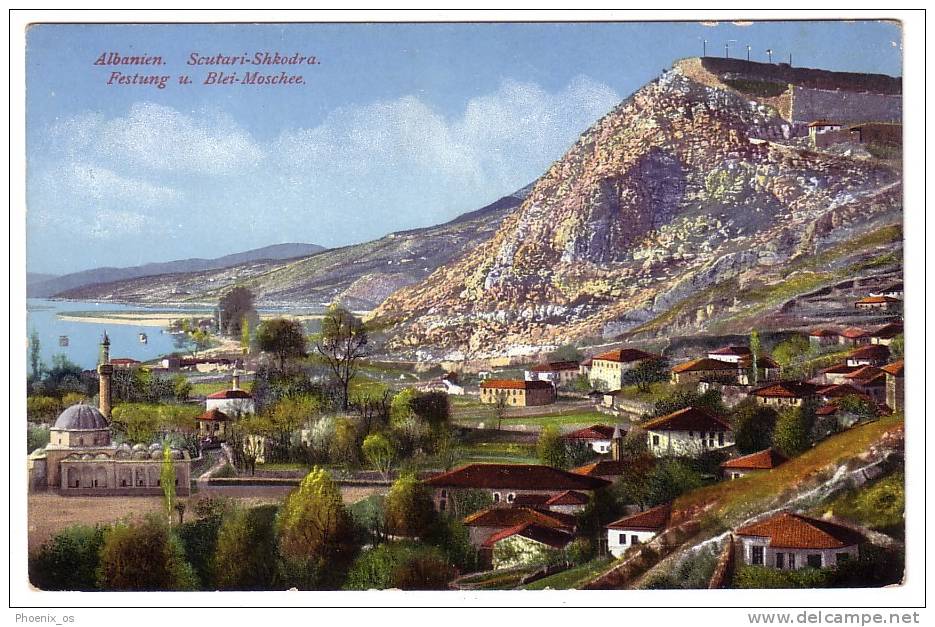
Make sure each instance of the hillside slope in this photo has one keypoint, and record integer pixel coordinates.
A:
(686, 186)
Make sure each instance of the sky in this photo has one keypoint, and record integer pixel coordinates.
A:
(397, 126)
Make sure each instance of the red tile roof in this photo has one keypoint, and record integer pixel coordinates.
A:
(823, 333)
(762, 460)
(594, 432)
(504, 517)
(568, 497)
(888, 331)
(895, 368)
(877, 300)
(214, 414)
(230, 394)
(853, 333)
(786, 389)
(555, 366)
(873, 351)
(626, 355)
(703, 364)
(794, 531)
(540, 533)
(688, 419)
(654, 519)
(864, 374)
(515, 384)
(515, 476)
(606, 468)
(736, 351)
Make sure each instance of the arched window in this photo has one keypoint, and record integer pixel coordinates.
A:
(496, 497)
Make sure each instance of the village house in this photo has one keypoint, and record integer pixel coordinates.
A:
(517, 392)
(742, 357)
(504, 482)
(559, 373)
(895, 395)
(822, 133)
(753, 463)
(894, 290)
(706, 368)
(869, 380)
(608, 369)
(791, 541)
(689, 432)
(886, 334)
(785, 393)
(486, 522)
(597, 437)
(636, 529)
(854, 336)
(731, 354)
(233, 402)
(524, 544)
(834, 375)
(213, 424)
(879, 303)
(585, 367)
(823, 337)
(568, 502)
(872, 355)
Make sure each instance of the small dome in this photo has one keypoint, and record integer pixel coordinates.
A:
(122, 453)
(81, 416)
(140, 455)
(102, 456)
(123, 447)
(155, 446)
(139, 447)
(87, 456)
(176, 454)
(156, 454)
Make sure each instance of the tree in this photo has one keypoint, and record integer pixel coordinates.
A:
(343, 447)
(566, 352)
(755, 351)
(283, 338)
(69, 560)
(793, 432)
(431, 407)
(669, 479)
(647, 372)
(143, 556)
(400, 406)
(709, 401)
(379, 453)
(792, 351)
(35, 362)
(859, 406)
(167, 480)
(246, 549)
(634, 486)
(753, 426)
(550, 449)
(342, 343)
(315, 531)
(245, 335)
(233, 307)
(898, 346)
(409, 509)
(500, 409)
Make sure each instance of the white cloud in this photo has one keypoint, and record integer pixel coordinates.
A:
(94, 183)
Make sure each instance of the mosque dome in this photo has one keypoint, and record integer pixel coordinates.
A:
(81, 416)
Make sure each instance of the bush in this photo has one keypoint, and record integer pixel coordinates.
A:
(550, 449)
(409, 509)
(246, 550)
(671, 478)
(199, 541)
(401, 565)
(753, 426)
(143, 556)
(793, 432)
(452, 538)
(42, 408)
(36, 437)
(68, 561)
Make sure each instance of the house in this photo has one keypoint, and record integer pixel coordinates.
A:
(854, 336)
(893, 291)
(559, 373)
(834, 375)
(791, 541)
(690, 431)
(608, 369)
(706, 368)
(742, 357)
(873, 355)
(213, 423)
(785, 393)
(585, 367)
(517, 392)
(233, 402)
(869, 380)
(752, 463)
(895, 394)
(568, 502)
(636, 529)
(504, 482)
(879, 303)
(486, 522)
(731, 354)
(525, 544)
(886, 334)
(597, 437)
(609, 469)
(125, 362)
(823, 337)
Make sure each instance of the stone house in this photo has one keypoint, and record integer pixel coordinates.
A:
(886, 334)
(753, 463)
(791, 541)
(636, 529)
(517, 392)
(608, 369)
(687, 432)
(483, 524)
(706, 368)
(785, 393)
(823, 337)
(854, 336)
(895, 392)
(525, 544)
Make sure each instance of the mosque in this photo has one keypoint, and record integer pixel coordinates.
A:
(81, 459)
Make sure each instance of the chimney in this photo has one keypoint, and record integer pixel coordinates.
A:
(104, 371)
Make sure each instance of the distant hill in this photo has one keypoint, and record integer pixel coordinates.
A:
(44, 286)
(361, 275)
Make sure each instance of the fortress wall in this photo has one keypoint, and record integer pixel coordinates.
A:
(844, 106)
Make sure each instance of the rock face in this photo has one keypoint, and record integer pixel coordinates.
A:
(684, 186)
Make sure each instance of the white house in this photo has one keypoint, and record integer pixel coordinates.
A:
(597, 437)
(791, 541)
(690, 432)
(556, 372)
(760, 461)
(608, 369)
(233, 402)
(732, 354)
(636, 529)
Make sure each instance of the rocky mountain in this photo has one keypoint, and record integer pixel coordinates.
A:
(698, 204)
(38, 287)
(361, 276)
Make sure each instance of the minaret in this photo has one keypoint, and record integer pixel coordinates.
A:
(235, 380)
(616, 444)
(104, 371)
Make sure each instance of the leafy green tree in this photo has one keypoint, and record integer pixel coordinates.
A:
(792, 351)
(669, 479)
(42, 408)
(756, 350)
(426, 571)
(233, 307)
(550, 449)
(283, 338)
(167, 480)
(315, 531)
(36, 437)
(647, 372)
(342, 344)
(898, 346)
(453, 539)
(35, 355)
(69, 560)
(634, 486)
(859, 406)
(431, 407)
(566, 352)
(245, 335)
(199, 538)
(344, 449)
(401, 565)
(753, 426)
(400, 406)
(247, 550)
(143, 556)
(793, 432)
(709, 401)
(181, 387)
(409, 509)
(379, 453)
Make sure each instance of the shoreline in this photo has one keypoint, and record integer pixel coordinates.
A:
(162, 319)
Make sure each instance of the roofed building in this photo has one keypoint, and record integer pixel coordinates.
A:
(597, 437)
(637, 529)
(854, 336)
(895, 392)
(823, 337)
(785, 393)
(791, 541)
(881, 303)
(233, 402)
(213, 423)
(872, 355)
(517, 392)
(559, 373)
(690, 432)
(706, 368)
(608, 369)
(486, 522)
(528, 543)
(752, 463)
(886, 334)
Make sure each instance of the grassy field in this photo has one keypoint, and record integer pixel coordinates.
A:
(203, 389)
(573, 577)
(880, 505)
(498, 579)
(537, 422)
(500, 452)
(738, 499)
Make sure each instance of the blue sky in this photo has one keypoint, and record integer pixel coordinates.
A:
(399, 126)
